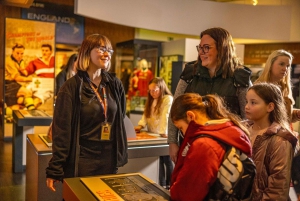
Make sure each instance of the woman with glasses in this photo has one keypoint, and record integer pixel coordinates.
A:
(88, 131)
(155, 118)
(217, 71)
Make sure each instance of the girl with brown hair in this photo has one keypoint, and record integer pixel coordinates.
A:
(199, 158)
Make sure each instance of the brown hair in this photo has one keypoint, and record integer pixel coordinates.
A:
(164, 91)
(88, 44)
(270, 93)
(227, 59)
(211, 105)
(70, 65)
(47, 45)
(18, 45)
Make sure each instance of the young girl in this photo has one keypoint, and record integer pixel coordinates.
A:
(199, 159)
(273, 143)
(277, 71)
(155, 117)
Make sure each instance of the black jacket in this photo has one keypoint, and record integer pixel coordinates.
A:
(199, 81)
(66, 132)
(60, 79)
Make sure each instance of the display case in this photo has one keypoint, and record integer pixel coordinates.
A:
(167, 70)
(133, 186)
(24, 122)
(137, 63)
(144, 150)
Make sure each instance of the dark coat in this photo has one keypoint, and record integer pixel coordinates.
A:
(199, 81)
(66, 131)
(60, 79)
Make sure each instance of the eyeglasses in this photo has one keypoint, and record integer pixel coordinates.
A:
(153, 90)
(102, 50)
(204, 49)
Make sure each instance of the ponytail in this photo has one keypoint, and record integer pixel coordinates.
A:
(212, 105)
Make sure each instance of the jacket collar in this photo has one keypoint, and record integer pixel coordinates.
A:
(276, 129)
(106, 76)
(224, 131)
(19, 63)
(203, 72)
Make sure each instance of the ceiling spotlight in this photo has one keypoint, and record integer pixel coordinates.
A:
(254, 2)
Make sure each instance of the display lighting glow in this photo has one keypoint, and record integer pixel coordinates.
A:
(254, 2)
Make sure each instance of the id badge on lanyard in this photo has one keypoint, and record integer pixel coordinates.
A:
(105, 134)
(105, 131)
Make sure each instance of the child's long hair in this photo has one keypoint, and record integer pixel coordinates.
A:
(164, 91)
(271, 93)
(211, 105)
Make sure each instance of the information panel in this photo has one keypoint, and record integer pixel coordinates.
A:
(128, 187)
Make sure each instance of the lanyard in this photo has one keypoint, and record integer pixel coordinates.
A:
(102, 102)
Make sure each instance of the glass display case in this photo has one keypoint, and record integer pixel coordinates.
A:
(137, 63)
(166, 69)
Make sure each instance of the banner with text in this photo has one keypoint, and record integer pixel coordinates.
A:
(69, 26)
(29, 65)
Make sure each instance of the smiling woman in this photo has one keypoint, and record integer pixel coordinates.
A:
(89, 136)
(216, 71)
(208, 54)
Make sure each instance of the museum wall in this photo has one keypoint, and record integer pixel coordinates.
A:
(191, 17)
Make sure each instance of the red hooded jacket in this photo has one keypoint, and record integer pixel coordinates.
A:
(199, 159)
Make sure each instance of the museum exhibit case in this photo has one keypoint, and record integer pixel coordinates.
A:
(38, 155)
(169, 71)
(24, 122)
(137, 63)
(144, 150)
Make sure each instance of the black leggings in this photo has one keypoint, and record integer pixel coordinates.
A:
(165, 170)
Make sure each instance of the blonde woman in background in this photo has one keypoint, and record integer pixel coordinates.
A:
(278, 71)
